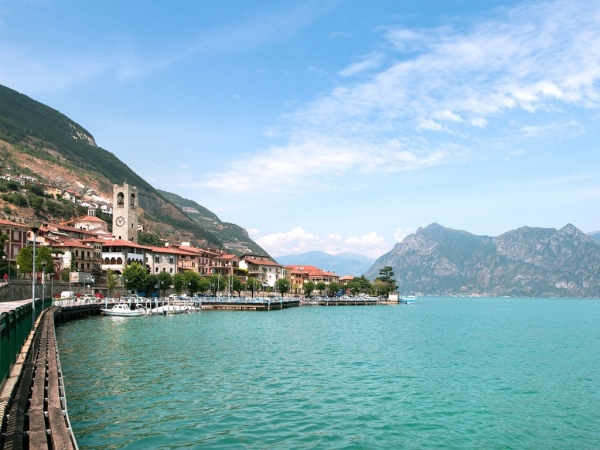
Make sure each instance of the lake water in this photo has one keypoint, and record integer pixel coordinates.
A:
(442, 373)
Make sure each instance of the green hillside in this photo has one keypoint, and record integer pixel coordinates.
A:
(41, 136)
(233, 237)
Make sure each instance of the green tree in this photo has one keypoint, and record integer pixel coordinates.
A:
(64, 275)
(309, 287)
(179, 282)
(192, 280)
(203, 285)
(333, 288)
(3, 240)
(45, 255)
(282, 285)
(321, 287)
(237, 285)
(25, 259)
(165, 281)
(218, 282)
(253, 285)
(386, 275)
(360, 284)
(111, 280)
(134, 277)
(150, 284)
(381, 287)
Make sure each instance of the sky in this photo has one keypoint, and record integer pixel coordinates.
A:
(340, 126)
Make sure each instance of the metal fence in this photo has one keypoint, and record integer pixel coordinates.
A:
(15, 326)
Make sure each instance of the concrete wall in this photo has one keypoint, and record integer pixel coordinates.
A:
(21, 290)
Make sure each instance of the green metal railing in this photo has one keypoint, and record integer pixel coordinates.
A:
(15, 326)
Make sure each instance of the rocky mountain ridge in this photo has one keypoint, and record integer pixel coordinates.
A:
(531, 262)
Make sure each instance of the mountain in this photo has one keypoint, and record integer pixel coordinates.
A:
(531, 262)
(595, 235)
(342, 263)
(233, 237)
(42, 143)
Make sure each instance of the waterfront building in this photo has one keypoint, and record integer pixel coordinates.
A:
(162, 259)
(263, 268)
(225, 264)
(118, 253)
(17, 239)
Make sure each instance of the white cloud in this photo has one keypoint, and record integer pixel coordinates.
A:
(299, 240)
(536, 57)
(370, 62)
(400, 234)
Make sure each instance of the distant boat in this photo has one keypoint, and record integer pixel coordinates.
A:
(172, 309)
(122, 310)
(408, 299)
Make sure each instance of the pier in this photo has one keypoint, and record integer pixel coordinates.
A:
(33, 402)
(248, 304)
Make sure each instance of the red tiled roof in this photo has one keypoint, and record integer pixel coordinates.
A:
(261, 262)
(15, 224)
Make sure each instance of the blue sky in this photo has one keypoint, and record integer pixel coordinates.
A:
(334, 126)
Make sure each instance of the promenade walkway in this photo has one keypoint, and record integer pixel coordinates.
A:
(32, 400)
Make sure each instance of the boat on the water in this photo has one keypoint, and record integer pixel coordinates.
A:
(408, 299)
(122, 310)
(172, 309)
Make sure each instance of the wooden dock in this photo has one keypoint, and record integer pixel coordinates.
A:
(37, 412)
(353, 301)
(248, 304)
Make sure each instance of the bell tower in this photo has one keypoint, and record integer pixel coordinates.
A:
(125, 212)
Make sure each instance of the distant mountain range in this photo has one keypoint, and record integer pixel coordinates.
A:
(595, 235)
(342, 263)
(530, 262)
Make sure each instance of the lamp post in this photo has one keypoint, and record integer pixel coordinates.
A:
(34, 226)
(3, 263)
(44, 279)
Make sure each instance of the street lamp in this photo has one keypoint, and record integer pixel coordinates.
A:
(34, 226)
(4, 262)
(44, 279)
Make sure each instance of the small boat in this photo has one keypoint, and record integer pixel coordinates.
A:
(122, 310)
(408, 299)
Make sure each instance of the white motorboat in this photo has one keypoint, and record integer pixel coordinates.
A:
(122, 310)
(172, 309)
(408, 299)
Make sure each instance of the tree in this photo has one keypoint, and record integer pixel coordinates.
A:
(218, 282)
(253, 285)
(282, 285)
(360, 284)
(25, 259)
(179, 282)
(192, 279)
(111, 280)
(134, 277)
(333, 288)
(381, 287)
(203, 285)
(165, 281)
(237, 285)
(309, 287)
(321, 287)
(386, 275)
(150, 284)
(3, 240)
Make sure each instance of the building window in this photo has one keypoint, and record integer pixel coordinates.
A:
(156, 270)
(156, 259)
(171, 260)
(171, 270)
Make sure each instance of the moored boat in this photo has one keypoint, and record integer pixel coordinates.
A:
(122, 310)
(408, 299)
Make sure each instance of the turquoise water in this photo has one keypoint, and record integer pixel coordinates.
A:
(442, 373)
